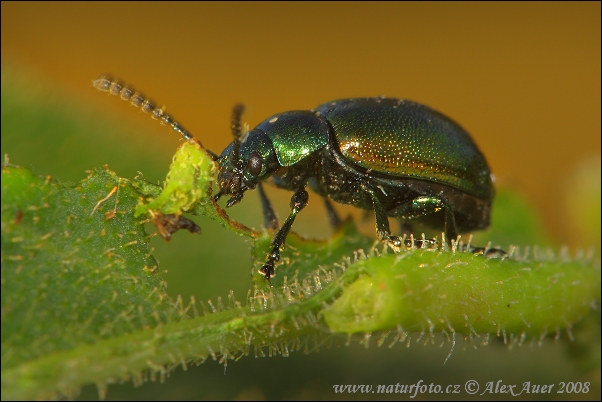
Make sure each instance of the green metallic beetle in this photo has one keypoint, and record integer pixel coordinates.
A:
(395, 157)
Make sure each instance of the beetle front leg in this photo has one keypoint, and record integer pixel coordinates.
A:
(298, 202)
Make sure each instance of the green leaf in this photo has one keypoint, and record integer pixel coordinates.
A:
(76, 267)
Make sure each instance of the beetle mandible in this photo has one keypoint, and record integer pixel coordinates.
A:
(395, 157)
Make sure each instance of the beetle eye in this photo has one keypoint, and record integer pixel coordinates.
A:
(254, 164)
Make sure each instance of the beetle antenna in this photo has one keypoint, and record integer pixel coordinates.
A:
(113, 86)
(236, 131)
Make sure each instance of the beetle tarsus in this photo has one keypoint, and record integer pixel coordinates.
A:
(267, 270)
(395, 241)
(487, 252)
(423, 243)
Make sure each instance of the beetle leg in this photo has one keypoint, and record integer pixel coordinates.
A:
(382, 222)
(298, 202)
(487, 252)
(333, 217)
(451, 230)
(269, 216)
(425, 205)
(418, 207)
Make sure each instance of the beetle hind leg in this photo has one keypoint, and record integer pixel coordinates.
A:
(407, 232)
(420, 206)
(425, 205)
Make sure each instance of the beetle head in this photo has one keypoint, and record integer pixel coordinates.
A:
(249, 159)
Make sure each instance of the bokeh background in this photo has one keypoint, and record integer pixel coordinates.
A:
(522, 78)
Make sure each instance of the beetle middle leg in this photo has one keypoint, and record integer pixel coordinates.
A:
(382, 222)
(333, 217)
(298, 202)
(269, 216)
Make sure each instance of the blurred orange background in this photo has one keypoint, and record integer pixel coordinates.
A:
(522, 78)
